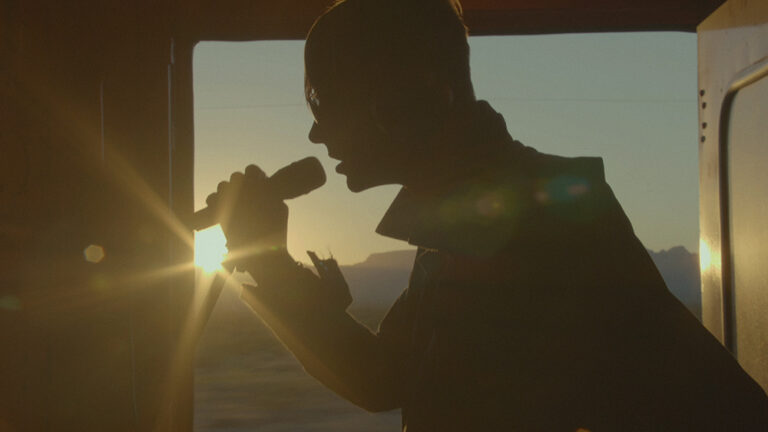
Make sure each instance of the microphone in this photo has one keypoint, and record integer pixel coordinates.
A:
(291, 181)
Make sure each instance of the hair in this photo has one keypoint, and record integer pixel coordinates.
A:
(387, 41)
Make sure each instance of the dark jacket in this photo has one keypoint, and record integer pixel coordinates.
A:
(532, 306)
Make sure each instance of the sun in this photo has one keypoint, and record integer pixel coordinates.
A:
(210, 248)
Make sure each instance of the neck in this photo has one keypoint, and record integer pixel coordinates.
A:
(472, 134)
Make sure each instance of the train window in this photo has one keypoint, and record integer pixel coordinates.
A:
(629, 98)
(748, 182)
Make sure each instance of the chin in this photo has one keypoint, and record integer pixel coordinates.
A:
(359, 183)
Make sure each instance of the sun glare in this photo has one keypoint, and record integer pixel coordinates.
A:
(210, 248)
(708, 258)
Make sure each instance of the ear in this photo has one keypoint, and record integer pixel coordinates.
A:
(412, 108)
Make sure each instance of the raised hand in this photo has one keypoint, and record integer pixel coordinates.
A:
(253, 218)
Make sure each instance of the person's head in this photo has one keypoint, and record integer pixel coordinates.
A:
(382, 78)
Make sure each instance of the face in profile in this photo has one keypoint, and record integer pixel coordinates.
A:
(346, 123)
(376, 80)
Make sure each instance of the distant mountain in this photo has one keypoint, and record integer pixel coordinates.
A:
(376, 282)
(381, 278)
(680, 270)
(391, 259)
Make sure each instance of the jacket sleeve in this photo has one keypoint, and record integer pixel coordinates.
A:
(331, 345)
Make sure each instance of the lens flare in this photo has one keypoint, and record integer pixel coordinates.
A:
(210, 248)
(94, 254)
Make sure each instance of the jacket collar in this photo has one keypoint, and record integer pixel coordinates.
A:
(435, 212)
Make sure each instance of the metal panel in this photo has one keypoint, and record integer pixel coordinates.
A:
(732, 41)
(748, 183)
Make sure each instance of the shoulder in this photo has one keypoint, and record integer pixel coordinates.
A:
(556, 189)
(571, 189)
(555, 203)
(549, 164)
(561, 180)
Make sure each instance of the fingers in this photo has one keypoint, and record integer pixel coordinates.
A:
(253, 176)
(254, 172)
(249, 212)
(236, 178)
(242, 190)
(211, 200)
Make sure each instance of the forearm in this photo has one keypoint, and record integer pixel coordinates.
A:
(332, 346)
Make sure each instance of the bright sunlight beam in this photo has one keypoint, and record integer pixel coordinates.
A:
(210, 248)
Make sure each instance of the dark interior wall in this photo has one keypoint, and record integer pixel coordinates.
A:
(95, 127)
(290, 19)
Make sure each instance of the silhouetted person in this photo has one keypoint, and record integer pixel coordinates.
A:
(532, 306)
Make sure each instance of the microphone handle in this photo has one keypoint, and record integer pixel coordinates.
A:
(203, 219)
(291, 181)
(206, 217)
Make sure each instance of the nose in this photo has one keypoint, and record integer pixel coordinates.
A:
(315, 135)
